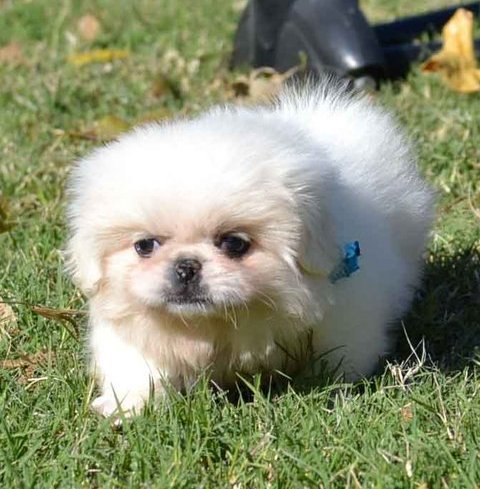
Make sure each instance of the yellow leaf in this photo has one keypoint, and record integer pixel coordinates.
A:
(110, 127)
(97, 56)
(156, 115)
(89, 27)
(104, 129)
(456, 60)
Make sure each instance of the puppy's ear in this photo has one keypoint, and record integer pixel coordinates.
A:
(319, 253)
(84, 264)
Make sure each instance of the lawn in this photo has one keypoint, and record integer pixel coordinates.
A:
(415, 424)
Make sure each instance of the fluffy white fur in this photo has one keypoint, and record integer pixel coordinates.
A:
(301, 178)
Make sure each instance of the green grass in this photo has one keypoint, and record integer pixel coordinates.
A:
(414, 425)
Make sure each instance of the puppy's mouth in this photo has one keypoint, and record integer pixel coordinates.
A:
(186, 304)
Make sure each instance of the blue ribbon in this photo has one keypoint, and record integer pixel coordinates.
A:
(349, 263)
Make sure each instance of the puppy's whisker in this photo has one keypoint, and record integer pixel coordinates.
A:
(244, 304)
(240, 302)
(233, 320)
(225, 311)
(230, 312)
(184, 321)
(268, 301)
(236, 317)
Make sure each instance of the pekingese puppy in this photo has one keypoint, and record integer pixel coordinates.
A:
(229, 241)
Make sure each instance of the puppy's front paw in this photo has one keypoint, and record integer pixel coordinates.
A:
(105, 405)
(108, 406)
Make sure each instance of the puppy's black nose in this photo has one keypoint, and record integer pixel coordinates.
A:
(186, 269)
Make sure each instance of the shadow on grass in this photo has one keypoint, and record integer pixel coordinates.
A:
(446, 312)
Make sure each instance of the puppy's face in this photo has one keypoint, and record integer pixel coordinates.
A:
(200, 264)
(194, 219)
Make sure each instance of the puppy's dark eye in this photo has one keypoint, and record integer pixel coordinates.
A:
(234, 245)
(145, 247)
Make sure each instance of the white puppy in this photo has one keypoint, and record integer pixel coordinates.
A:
(227, 243)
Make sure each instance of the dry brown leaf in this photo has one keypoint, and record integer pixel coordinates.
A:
(64, 316)
(12, 53)
(163, 86)
(262, 84)
(5, 223)
(456, 60)
(160, 87)
(407, 413)
(29, 363)
(88, 27)
(7, 316)
(97, 56)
